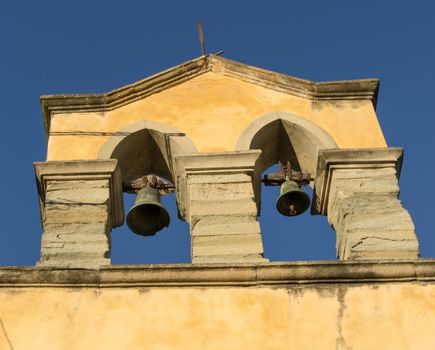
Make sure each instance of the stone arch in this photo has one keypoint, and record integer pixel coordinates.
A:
(284, 136)
(146, 147)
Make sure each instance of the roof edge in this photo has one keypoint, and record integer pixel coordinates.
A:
(357, 89)
(364, 89)
(123, 95)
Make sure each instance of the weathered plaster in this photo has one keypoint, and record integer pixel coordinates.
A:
(317, 305)
(212, 110)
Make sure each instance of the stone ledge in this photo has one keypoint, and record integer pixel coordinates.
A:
(267, 274)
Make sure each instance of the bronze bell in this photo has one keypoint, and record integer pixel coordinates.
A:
(147, 216)
(292, 200)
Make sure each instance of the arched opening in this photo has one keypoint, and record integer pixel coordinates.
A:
(145, 148)
(171, 245)
(286, 137)
(298, 238)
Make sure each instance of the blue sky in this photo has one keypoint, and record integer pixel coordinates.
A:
(50, 47)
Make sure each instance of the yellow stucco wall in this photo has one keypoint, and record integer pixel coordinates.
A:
(383, 316)
(213, 110)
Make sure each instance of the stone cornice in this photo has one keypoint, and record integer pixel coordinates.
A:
(331, 159)
(246, 275)
(80, 170)
(359, 89)
(365, 89)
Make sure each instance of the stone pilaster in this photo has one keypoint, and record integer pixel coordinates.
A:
(216, 194)
(358, 190)
(80, 201)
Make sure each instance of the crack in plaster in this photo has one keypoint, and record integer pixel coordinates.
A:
(340, 343)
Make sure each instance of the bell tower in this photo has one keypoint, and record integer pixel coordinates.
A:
(207, 129)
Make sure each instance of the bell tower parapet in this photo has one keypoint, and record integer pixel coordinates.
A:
(210, 127)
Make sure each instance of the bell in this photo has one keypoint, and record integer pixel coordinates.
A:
(292, 200)
(147, 216)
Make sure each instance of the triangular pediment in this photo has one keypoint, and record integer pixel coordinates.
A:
(336, 90)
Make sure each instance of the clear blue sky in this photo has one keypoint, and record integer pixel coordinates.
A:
(50, 47)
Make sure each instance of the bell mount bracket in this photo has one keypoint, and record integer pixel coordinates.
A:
(286, 173)
(153, 181)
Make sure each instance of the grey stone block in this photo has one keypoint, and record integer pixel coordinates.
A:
(221, 191)
(229, 259)
(228, 244)
(220, 179)
(83, 262)
(223, 225)
(75, 214)
(78, 196)
(223, 207)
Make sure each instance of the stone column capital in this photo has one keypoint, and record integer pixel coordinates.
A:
(79, 170)
(330, 160)
(222, 163)
(216, 163)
